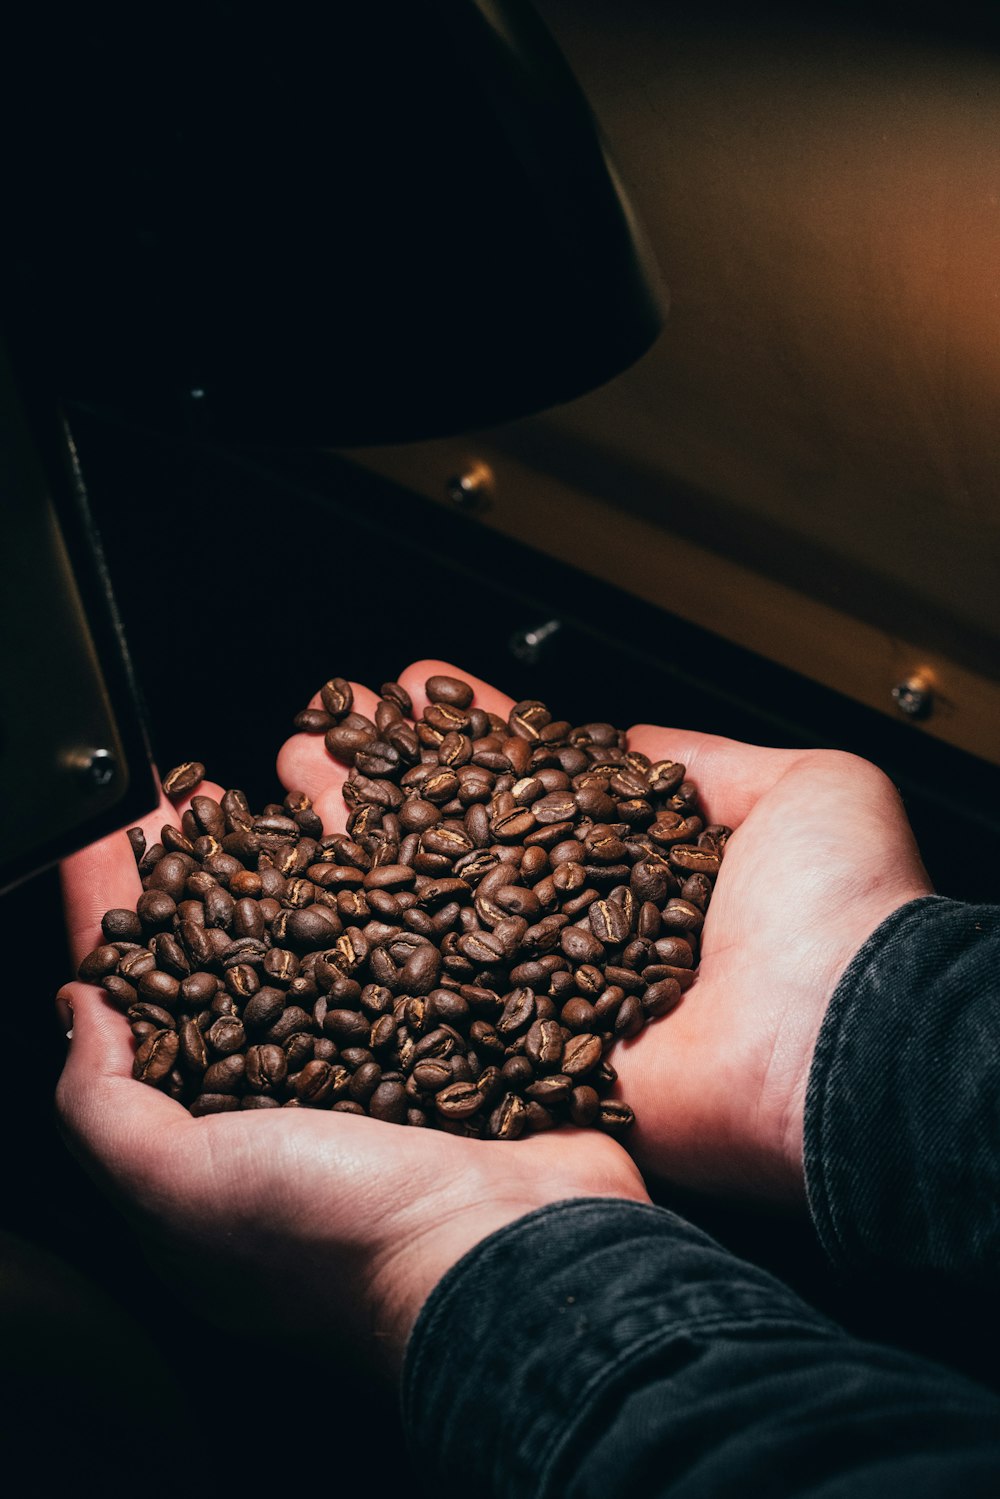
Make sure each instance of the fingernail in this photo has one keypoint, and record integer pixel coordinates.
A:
(64, 1016)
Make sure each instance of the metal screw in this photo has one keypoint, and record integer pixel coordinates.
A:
(914, 697)
(470, 489)
(526, 645)
(96, 768)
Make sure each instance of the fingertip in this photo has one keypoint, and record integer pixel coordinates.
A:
(304, 764)
(102, 1041)
(331, 808)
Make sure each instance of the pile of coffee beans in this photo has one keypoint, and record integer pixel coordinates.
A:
(511, 897)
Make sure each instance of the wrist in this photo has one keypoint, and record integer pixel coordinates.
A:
(450, 1222)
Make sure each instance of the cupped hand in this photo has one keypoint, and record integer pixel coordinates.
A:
(300, 1223)
(821, 853)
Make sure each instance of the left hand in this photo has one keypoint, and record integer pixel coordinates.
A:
(303, 1223)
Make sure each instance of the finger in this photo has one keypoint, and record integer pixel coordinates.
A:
(305, 763)
(109, 1115)
(104, 875)
(731, 777)
(331, 808)
(490, 699)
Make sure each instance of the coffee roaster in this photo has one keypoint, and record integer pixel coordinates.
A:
(367, 224)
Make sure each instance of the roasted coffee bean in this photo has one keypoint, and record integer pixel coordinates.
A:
(313, 721)
(543, 1045)
(508, 1120)
(682, 916)
(609, 922)
(266, 1068)
(338, 697)
(292, 1020)
(581, 1054)
(122, 926)
(345, 739)
(450, 690)
(159, 988)
(518, 1013)
(552, 1091)
(661, 997)
(584, 1106)
(103, 960)
(121, 993)
(578, 1014)
(511, 895)
(614, 1117)
(690, 859)
(215, 1103)
(458, 1100)
(630, 1018)
(320, 1083)
(263, 1008)
(226, 1035)
(156, 1056)
(183, 778)
(161, 1019)
(388, 1102)
(193, 1052)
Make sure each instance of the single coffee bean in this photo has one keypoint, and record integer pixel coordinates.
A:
(338, 697)
(543, 1044)
(226, 1035)
(122, 926)
(103, 960)
(266, 1067)
(388, 1102)
(613, 1117)
(182, 779)
(193, 1052)
(584, 1106)
(156, 1056)
(225, 1075)
(458, 1100)
(581, 1054)
(449, 690)
(215, 1103)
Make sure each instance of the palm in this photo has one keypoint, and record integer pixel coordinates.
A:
(342, 1218)
(821, 854)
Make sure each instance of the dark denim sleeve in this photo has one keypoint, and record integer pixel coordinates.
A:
(902, 1126)
(600, 1349)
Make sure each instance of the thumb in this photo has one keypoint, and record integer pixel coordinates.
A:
(113, 1121)
(731, 777)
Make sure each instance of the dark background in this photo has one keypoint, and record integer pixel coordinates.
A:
(243, 583)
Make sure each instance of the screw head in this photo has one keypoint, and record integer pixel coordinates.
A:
(98, 768)
(913, 697)
(470, 488)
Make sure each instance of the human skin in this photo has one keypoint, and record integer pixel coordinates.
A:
(360, 1219)
(304, 1224)
(822, 852)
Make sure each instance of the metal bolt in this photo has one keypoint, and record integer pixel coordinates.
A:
(914, 697)
(526, 645)
(96, 768)
(470, 489)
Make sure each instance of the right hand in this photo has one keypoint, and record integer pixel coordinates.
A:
(822, 853)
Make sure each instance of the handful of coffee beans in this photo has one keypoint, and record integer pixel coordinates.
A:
(510, 898)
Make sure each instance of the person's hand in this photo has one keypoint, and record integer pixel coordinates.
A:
(822, 853)
(298, 1223)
